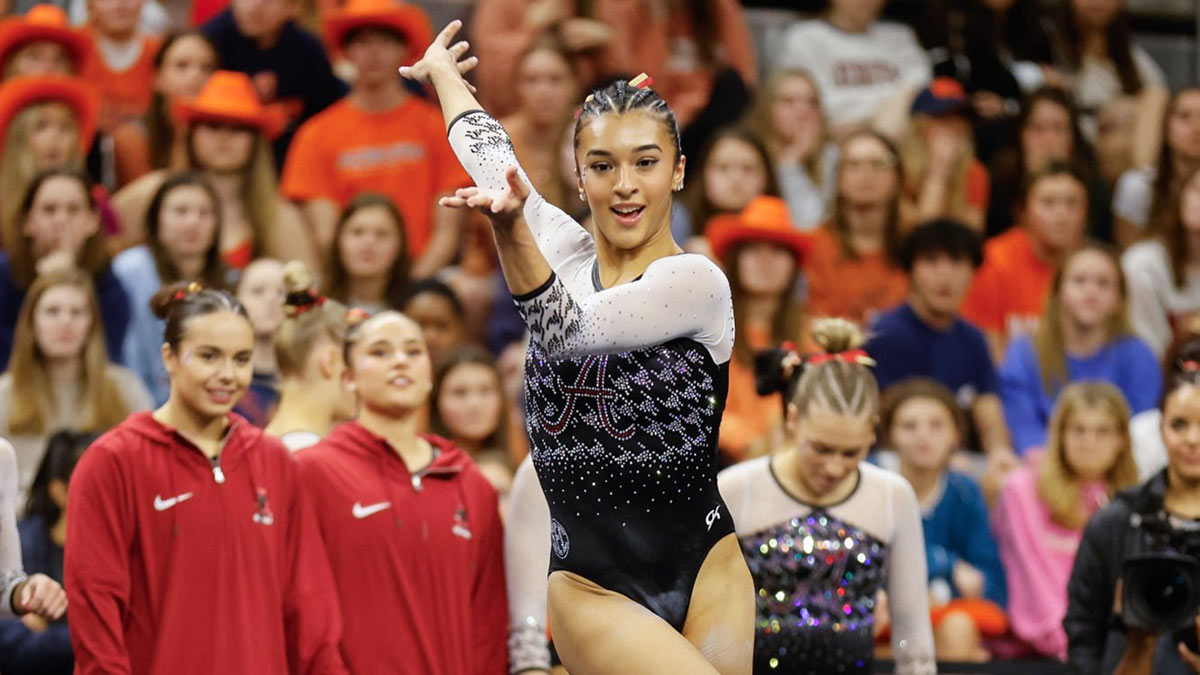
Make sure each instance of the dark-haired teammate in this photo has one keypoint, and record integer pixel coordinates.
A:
(626, 381)
(190, 547)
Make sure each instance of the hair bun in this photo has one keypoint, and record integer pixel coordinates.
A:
(836, 335)
(297, 277)
(167, 296)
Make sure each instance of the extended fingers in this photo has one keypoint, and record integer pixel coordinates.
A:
(443, 38)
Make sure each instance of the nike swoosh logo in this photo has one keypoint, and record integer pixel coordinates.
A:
(361, 511)
(161, 504)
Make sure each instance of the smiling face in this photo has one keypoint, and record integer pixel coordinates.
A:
(213, 364)
(61, 322)
(627, 171)
(1091, 289)
(187, 222)
(390, 366)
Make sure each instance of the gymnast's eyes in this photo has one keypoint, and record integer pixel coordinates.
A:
(600, 167)
(646, 162)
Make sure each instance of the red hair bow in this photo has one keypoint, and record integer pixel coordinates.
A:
(1189, 366)
(858, 356)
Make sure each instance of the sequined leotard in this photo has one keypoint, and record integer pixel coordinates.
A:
(817, 571)
(624, 393)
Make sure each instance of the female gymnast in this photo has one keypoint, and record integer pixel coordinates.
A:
(625, 382)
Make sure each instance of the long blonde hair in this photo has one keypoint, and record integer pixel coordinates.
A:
(260, 192)
(1048, 341)
(1057, 484)
(759, 120)
(915, 154)
(102, 406)
(17, 167)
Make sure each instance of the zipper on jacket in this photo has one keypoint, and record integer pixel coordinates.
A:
(218, 474)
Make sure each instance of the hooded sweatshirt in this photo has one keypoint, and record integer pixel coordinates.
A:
(418, 557)
(179, 564)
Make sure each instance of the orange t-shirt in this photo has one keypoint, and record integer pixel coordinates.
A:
(402, 153)
(124, 95)
(1009, 291)
(855, 289)
(747, 416)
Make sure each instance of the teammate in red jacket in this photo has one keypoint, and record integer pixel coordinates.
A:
(411, 525)
(190, 546)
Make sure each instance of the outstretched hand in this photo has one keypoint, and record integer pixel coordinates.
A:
(502, 206)
(443, 57)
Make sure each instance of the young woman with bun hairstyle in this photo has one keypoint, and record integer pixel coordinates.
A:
(190, 497)
(823, 531)
(411, 526)
(60, 376)
(625, 382)
(309, 358)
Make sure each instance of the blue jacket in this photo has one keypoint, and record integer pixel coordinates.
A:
(957, 529)
(143, 341)
(1127, 363)
(23, 652)
(114, 310)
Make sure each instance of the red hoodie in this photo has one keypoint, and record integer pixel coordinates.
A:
(418, 558)
(178, 564)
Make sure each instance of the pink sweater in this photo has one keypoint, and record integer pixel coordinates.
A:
(1038, 555)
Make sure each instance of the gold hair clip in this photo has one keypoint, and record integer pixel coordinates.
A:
(642, 81)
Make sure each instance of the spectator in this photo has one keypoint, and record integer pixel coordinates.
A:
(922, 422)
(471, 410)
(56, 226)
(433, 598)
(227, 505)
(380, 138)
(368, 262)
(261, 292)
(817, 490)
(762, 253)
(787, 116)
(309, 355)
(286, 63)
(46, 122)
(867, 70)
(60, 377)
(1164, 280)
(1144, 194)
(182, 66)
(852, 271)
(734, 168)
(944, 180)
(546, 93)
(32, 646)
(1009, 292)
(22, 594)
(700, 53)
(1043, 509)
(183, 230)
(996, 49)
(439, 313)
(1103, 64)
(1084, 335)
(227, 131)
(121, 65)
(41, 42)
(1047, 130)
(927, 337)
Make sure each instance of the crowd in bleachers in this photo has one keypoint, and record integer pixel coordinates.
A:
(1006, 198)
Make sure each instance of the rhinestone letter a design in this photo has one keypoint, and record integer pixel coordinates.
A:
(598, 392)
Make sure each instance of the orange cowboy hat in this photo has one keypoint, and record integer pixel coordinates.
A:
(20, 92)
(763, 219)
(42, 23)
(408, 20)
(229, 97)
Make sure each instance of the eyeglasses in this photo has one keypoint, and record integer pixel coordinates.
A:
(874, 163)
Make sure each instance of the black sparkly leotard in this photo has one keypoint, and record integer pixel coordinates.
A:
(624, 393)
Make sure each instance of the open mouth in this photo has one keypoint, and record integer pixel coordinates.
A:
(628, 214)
(401, 382)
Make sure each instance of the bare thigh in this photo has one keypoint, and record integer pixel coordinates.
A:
(597, 631)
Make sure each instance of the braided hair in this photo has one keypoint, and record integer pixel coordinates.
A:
(622, 97)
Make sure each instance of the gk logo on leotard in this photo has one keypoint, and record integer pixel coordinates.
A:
(560, 543)
(598, 392)
(713, 516)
